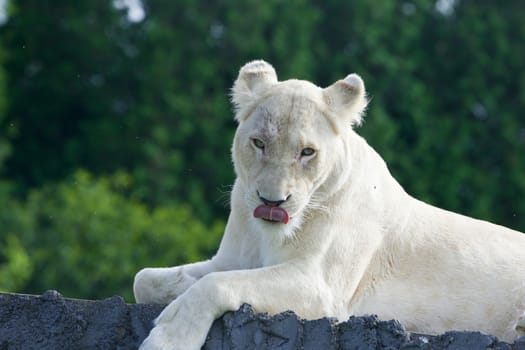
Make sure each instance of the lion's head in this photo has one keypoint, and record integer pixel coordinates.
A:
(290, 149)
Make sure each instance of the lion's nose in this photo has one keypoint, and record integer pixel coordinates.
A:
(272, 203)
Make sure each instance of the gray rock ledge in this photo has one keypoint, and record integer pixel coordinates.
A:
(51, 321)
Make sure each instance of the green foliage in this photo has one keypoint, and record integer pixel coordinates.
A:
(5, 148)
(86, 238)
(69, 67)
(16, 267)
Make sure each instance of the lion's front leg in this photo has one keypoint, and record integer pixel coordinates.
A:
(163, 285)
(185, 323)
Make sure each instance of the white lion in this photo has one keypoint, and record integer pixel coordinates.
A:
(319, 226)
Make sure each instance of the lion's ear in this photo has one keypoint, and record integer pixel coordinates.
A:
(347, 98)
(254, 78)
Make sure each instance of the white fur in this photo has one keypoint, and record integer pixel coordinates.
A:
(356, 242)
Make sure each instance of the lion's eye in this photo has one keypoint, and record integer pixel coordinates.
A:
(258, 143)
(307, 152)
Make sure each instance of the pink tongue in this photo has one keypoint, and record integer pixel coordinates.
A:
(271, 213)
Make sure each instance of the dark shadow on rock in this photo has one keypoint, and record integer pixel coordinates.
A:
(51, 321)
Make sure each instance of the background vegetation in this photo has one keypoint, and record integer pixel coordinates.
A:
(115, 131)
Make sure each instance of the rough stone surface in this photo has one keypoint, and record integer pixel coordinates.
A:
(51, 321)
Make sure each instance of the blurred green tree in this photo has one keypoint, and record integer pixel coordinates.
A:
(478, 89)
(71, 85)
(85, 238)
(5, 148)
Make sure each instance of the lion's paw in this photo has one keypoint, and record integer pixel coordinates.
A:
(183, 324)
(161, 285)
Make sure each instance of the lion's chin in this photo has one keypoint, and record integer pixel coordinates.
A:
(278, 230)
